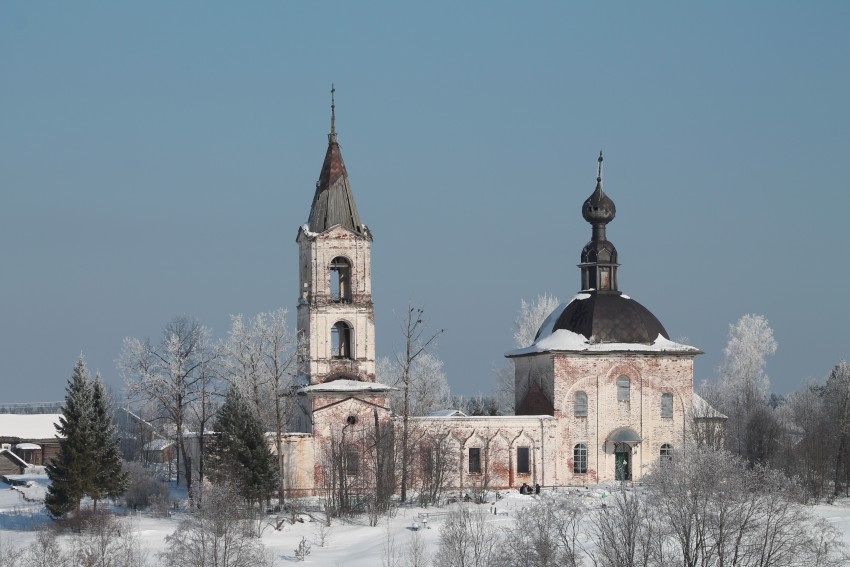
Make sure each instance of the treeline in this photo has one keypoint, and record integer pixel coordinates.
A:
(806, 434)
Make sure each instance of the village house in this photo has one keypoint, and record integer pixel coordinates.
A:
(31, 437)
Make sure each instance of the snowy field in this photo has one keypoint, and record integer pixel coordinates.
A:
(347, 543)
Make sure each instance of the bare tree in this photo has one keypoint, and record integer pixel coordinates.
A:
(106, 542)
(262, 360)
(169, 376)
(437, 464)
(544, 534)
(429, 390)
(416, 343)
(625, 532)
(719, 510)
(220, 534)
(467, 539)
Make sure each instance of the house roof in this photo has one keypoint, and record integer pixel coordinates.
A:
(29, 426)
(13, 457)
(447, 413)
(704, 410)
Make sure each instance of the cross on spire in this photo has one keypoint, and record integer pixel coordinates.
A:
(332, 135)
(599, 170)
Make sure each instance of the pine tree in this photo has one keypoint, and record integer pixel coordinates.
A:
(110, 481)
(242, 452)
(72, 470)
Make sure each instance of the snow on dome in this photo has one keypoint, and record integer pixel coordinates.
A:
(564, 340)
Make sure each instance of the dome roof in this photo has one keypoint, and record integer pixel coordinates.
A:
(606, 317)
(598, 208)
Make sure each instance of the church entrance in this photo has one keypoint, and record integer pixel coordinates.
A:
(623, 465)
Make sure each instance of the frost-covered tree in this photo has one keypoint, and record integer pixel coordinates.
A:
(743, 388)
(242, 453)
(72, 470)
(429, 389)
(170, 376)
(261, 359)
(110, 480)
(528, 321)
(530, 317)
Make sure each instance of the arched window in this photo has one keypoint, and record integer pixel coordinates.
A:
(581, 404)
(580, 459)
(623, 389)
(666, 405)
(341, 340)
(340, 280)
(666, 454)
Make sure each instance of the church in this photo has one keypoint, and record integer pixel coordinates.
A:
(602, 393)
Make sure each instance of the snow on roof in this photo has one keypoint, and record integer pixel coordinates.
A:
(564, 340)
(29, 426)
(158, 444)
(447, 413)
(27, 446)
(14, 457)
(345, 385)
(704, 410)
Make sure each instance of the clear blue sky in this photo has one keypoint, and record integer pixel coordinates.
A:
(157, 158)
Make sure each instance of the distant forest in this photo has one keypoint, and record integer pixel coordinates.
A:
(32, 407)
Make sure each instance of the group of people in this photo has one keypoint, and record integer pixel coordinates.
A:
(526, 489)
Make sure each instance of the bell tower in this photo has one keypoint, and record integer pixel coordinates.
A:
(336, 316)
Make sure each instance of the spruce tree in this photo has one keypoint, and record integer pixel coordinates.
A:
(71, 471)
(110, 480)
(242, 452)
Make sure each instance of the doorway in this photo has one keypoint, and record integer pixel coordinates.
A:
(623, 465)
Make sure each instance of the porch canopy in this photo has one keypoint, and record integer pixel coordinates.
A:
(624, 435)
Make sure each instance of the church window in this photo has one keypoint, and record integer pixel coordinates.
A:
(426, 457)
(340, 280)
(475, 460)
(604, 278)
(666, 405)
(522, 460)
(341, 340)
(581, 404)
(623, 389)
(666, 454)
(352, 461)
(580, 459)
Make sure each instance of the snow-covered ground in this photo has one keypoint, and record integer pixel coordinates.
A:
(349, 544)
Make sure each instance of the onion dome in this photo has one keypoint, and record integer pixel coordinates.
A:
(598, 208)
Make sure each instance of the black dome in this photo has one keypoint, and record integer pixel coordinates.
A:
(598, 208)
(610, 318)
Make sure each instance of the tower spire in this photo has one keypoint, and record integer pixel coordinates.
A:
(599, 257)
(332, 135)
(599, 171)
